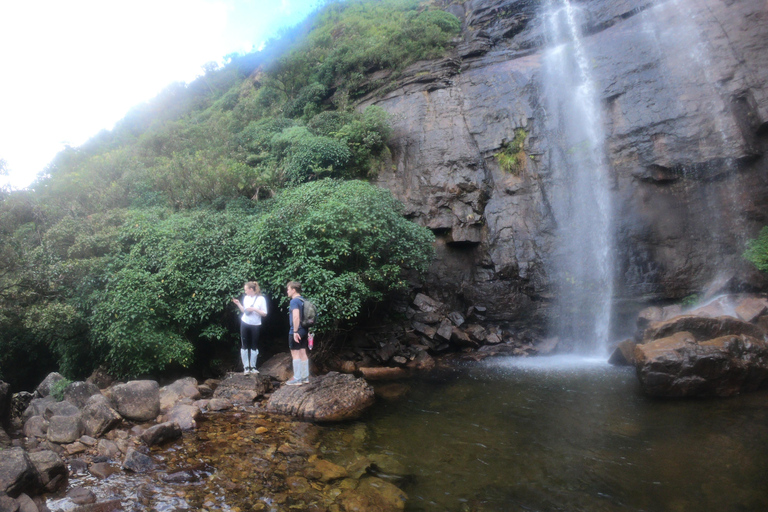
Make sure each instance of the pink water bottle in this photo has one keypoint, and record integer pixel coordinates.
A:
(311, 340)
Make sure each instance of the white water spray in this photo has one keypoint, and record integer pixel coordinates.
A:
(583, 258)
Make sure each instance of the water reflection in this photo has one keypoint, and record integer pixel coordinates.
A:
(563, 434)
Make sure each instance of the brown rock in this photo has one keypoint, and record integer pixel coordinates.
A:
(424, 329)
(51, 470)
(161, 433)
(331, 397)
(242, 389)
(701, 328)
(382, 373)
(373, 495)
(624, 354)
(431, 317)
(327, 471)
(427, 304)
(422, 362)
(751, 308)
(461, 338)
(278, 367)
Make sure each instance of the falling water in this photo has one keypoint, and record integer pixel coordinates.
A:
(583, 257)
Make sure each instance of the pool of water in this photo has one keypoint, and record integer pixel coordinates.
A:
(561, 434)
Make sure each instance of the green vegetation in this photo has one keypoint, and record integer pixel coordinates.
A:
(757, 250)
(512, 157)
(127, 252)
(57, 389)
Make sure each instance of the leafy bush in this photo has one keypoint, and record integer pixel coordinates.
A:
(757, 250)
(347, 242)
(316, 156)
(57, 389)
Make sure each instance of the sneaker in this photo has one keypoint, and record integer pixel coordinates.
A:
(305, 380)
(254, 370)
(294, 382)
(246, 371)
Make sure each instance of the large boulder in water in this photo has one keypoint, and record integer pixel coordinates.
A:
(242, 389)
(679, 366)
(137, 400)
(331, 397)
(701, 327)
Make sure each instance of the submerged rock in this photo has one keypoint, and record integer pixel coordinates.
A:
(331, 397)
(678, 366)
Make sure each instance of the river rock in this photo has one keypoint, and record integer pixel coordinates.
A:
(17, 474)
(278, 367)
(219, 404)
(108, 448)
(36, 426)
(702, 328)
(678, 366)
(623, 354)
(81, 496)
(137, 400)
(98, 416)
(137, 462)
(326, 471)
(242, 389)
(751, 308)
(51, 470)
(161, 433)
(331, 397)
(63, 408)
(185, 415)
(64, 429)
(8, 504)
(373, 495)
(37, 407)
(78, 393)
(182, 388)
(44, 388)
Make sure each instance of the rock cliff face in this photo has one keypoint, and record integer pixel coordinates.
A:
(683, 90)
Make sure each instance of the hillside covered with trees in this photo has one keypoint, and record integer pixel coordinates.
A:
(126, 252)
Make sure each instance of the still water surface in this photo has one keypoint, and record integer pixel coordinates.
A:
(563, 434)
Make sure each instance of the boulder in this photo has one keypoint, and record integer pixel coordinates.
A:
(445, 330)
(44, 388)
(161, 433)
(107, 448)
(702, 328)
(427, 304)
(63, 408)
(242, 389)
(422, 362)
(456, 317)
(17, 474)
(137, 462)
(751, 308)
(331, 397)
(51, 470)
(78, 393)
(219, 404)
(36, 426)
(426, 330)
(37, 407)
(623, 354)
(185, 415)
(98, 416)
(8, 504)
(101, 378)
(278, 367)
(182, 388)
(64, 429)
(678, 366)
(137, 400)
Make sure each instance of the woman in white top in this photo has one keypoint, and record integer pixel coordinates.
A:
(253, 307)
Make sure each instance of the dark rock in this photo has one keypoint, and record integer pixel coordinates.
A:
(445, 330)
(105, 506)
(26, 504)
(100, 378)
(137, 462)
(456, 318)
(137, 400)
(44, 388)
(623, 354)
(37, 407)
(278, 367)
(422, 362)
(461, 338)
(476, 332)
(102, 470)
(98, 416)
(242, 389)
(6, 399)
(678, 366)
(427, 304)
(51, 470)
(108, 449)
(161, 433)
(77, 466)
(386, 352)
(702, 328)
(431, 317)
(424, 329)
(63, 408)
(331, 397)
(17, 474)
(64, 429)
(78, 393)
(36, 426)
(19, 403)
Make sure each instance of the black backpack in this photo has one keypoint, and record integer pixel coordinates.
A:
(308, 313)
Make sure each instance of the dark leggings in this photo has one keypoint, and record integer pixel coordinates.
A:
(249, 336)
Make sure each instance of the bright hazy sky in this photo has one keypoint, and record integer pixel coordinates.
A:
(71, 68)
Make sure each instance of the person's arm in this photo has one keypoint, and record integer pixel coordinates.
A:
(261, 301)
(239, 305)
(296, 324)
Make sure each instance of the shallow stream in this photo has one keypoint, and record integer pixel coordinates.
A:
(553, 434)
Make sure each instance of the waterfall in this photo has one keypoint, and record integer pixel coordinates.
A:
(582, 265)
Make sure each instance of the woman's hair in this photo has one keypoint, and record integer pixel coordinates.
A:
(295, 285)
(253, 285)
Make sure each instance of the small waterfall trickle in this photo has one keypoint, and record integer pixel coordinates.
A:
(583, 261)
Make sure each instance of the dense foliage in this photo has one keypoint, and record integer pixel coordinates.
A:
(127, 252)
(757, 250)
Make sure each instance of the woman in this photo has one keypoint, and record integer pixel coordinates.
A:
(253, 307)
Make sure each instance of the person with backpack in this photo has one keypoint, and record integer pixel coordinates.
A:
(297, 336)
(253, 308)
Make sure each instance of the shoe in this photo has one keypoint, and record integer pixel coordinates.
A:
(254, 371)
(294, 382)
(248, 370)
(305, 380)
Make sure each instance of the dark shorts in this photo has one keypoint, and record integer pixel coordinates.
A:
(303, 344)
(249, 336)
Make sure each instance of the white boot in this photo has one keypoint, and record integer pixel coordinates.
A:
(254, 358)
(296, 379)
(244, 357)
(304, 371)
